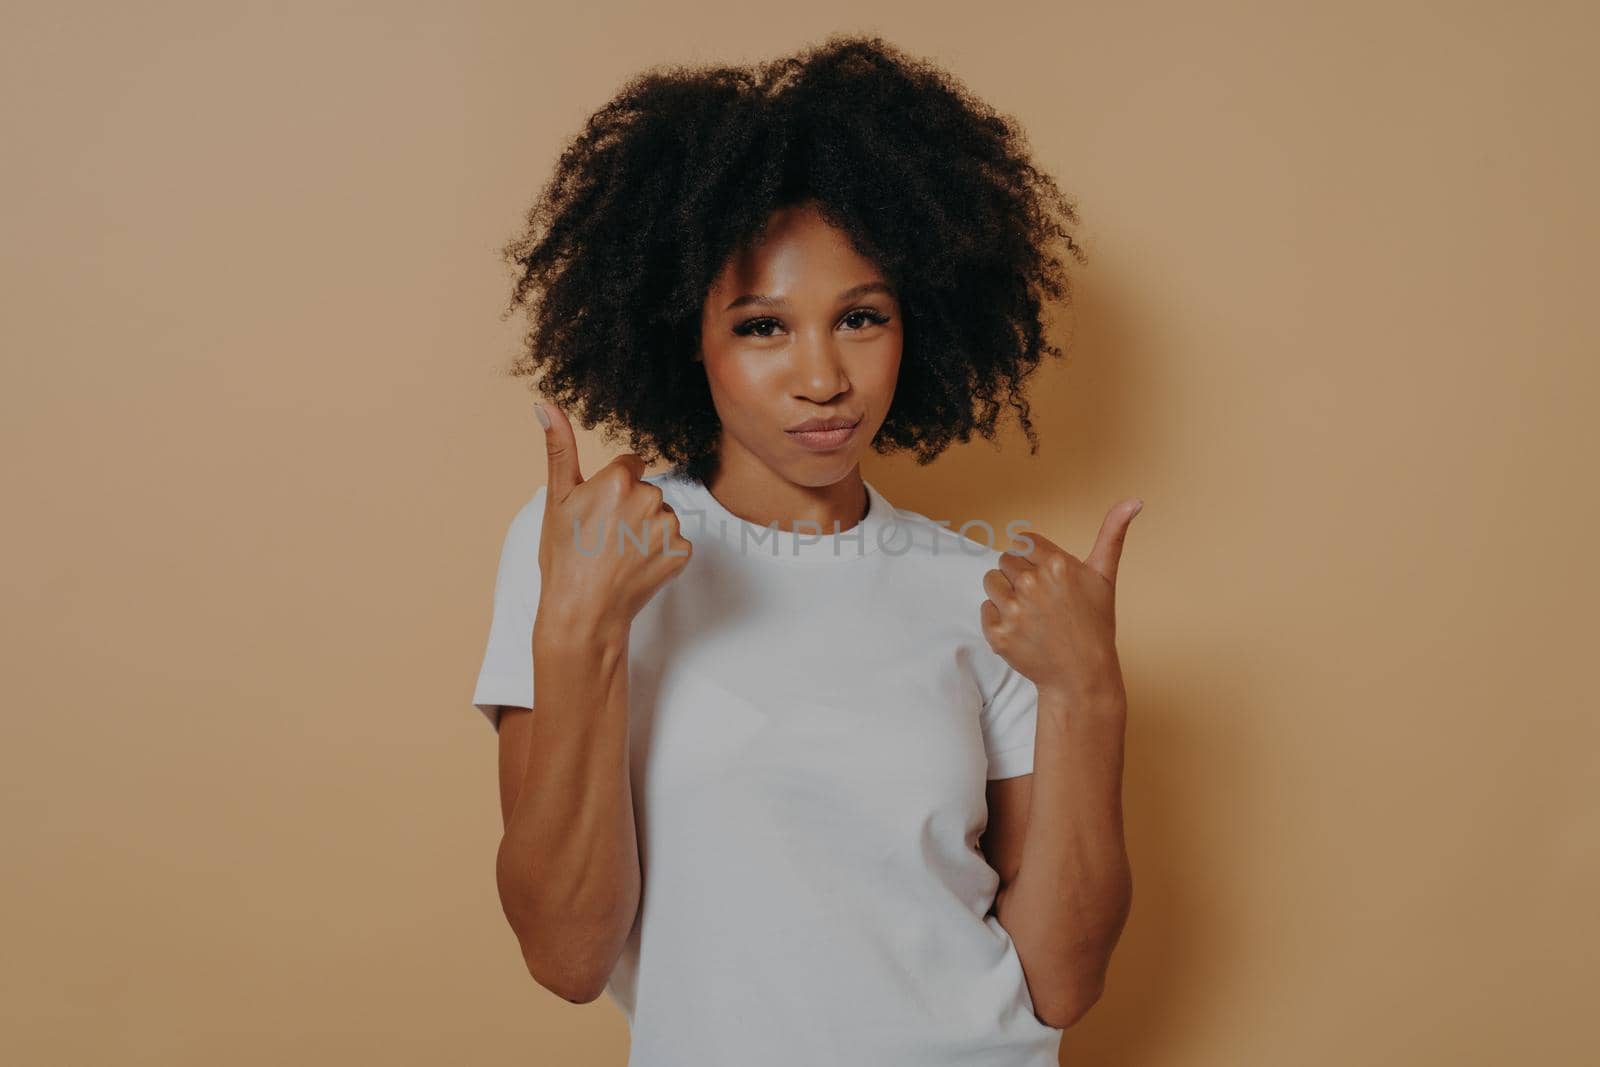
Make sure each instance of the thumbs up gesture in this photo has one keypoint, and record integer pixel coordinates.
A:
(1052, 617)
(595, 576)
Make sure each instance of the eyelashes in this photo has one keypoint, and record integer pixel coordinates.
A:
(754, 327)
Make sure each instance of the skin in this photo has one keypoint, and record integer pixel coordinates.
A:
(568, 865)
(801, 326)
(1056, 835)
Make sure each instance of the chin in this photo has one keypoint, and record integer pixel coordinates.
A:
(820, 468)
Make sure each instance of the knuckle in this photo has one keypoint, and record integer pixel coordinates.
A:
(616, 478)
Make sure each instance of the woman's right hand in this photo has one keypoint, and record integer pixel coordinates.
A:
(598, 592)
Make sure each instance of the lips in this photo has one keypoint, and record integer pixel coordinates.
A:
(824, 424)
(823, 435)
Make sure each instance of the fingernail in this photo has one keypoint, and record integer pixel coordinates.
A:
(544, 420)
(1137, 507)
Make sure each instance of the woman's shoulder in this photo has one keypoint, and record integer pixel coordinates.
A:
(973, 544)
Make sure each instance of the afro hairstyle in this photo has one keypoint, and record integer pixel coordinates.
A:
(684, 167)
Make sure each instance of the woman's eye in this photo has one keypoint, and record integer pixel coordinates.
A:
(764, 327)
(860, 318)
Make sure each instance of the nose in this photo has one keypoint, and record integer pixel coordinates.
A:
(819, 372)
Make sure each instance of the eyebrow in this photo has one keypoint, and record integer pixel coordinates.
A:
(849, 294)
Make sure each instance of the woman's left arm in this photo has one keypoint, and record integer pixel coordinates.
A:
(1069, 889)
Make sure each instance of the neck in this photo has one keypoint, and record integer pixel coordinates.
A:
(756, 493)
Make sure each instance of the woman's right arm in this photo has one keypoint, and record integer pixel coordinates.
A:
(568, 865)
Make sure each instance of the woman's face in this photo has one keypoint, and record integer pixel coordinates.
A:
(800, 328)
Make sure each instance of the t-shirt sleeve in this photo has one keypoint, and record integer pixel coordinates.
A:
(1010, 714)
(506, 676)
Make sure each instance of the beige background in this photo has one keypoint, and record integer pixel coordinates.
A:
(260, 453)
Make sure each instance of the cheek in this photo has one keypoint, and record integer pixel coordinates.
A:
(885, 368)
(738, 385)
(743, 383)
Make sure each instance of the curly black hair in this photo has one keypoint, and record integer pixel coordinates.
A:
(685, 166)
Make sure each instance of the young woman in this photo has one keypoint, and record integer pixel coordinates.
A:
(800, 777)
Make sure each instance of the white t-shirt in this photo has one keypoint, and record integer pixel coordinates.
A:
(813, 720)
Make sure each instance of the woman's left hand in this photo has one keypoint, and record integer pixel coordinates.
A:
(1052, 617)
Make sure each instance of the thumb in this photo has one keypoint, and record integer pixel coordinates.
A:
(561, 448)
(1107, 551)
